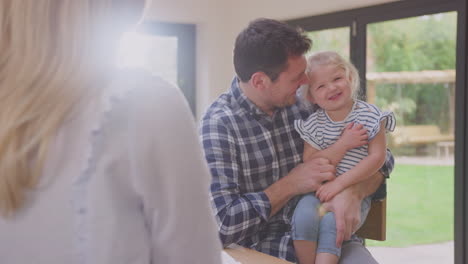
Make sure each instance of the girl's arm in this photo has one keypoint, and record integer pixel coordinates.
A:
(362, 171)
(353, 136)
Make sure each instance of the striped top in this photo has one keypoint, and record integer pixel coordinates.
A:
(320, 131)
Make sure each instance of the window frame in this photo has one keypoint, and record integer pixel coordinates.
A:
(186, 48)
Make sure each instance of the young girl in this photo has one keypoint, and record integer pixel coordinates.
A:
(333, 85)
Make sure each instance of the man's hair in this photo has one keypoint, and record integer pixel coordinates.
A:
(265, 45)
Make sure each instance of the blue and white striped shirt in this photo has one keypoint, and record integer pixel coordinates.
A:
(321, 132)
(247, 151)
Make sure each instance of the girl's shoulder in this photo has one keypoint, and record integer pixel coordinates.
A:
(366, 108)
(316, 118)
(371, 116)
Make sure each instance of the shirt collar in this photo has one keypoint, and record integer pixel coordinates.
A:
(243, 100)
(301, 102)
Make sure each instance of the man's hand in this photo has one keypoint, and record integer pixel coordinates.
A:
(328, 190)
(304, 178)
(309, 176)
(347, 208)
(353, 136)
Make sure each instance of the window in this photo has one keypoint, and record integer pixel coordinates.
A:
(166, 50)
(336, 39)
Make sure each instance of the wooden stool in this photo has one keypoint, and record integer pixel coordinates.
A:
(375, 226)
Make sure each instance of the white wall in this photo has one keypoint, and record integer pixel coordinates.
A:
(219, 21)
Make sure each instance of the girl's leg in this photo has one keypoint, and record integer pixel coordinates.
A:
(305, 251)
(326, 258)
(327, 251)
(305, 226)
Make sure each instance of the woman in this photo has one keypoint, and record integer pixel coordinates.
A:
(97, 165)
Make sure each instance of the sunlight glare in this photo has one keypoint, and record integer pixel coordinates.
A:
(133, 50)
(156, 54)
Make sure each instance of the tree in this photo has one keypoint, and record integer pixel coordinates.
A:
(414, 44)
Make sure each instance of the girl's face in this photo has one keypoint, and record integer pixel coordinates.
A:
(330, 89)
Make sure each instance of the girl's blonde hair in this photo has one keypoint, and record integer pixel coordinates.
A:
(325, 58)
(52, 55)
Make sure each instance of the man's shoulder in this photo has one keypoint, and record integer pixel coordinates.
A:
(222, 111)
(222, 106)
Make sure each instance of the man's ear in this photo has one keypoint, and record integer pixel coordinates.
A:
(260, 80)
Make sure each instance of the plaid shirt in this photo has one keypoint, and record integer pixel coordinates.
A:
(247, 151)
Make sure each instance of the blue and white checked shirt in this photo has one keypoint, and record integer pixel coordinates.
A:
(247, 151)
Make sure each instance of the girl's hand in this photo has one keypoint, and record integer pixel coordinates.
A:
(327, 191)
(353, 136)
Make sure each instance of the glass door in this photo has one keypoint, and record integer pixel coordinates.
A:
(411, 67)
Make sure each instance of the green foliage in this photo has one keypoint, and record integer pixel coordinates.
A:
(416, 103)
(336, 39)
(404, 107)
(414, 44)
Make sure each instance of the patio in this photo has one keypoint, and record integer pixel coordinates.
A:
(420, 254)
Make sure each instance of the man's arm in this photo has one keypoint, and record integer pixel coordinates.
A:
(304, 178)
(353, 136)
(239, 215)
(346, 206)
(368, 166)
(318, 166)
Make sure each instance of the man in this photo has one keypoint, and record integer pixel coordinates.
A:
(255, 154)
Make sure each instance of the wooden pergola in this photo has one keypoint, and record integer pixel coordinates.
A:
(442, 76)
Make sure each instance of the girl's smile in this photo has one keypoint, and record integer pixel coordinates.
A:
(330, 89)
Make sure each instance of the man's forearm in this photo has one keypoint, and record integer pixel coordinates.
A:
(333, 153)
(368, 186)
(304, 178)
(346, 206)
(279, 194)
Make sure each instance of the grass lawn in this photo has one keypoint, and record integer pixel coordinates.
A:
(420, 206)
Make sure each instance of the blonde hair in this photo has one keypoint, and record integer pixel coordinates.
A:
(325, 58)
(51, 58)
